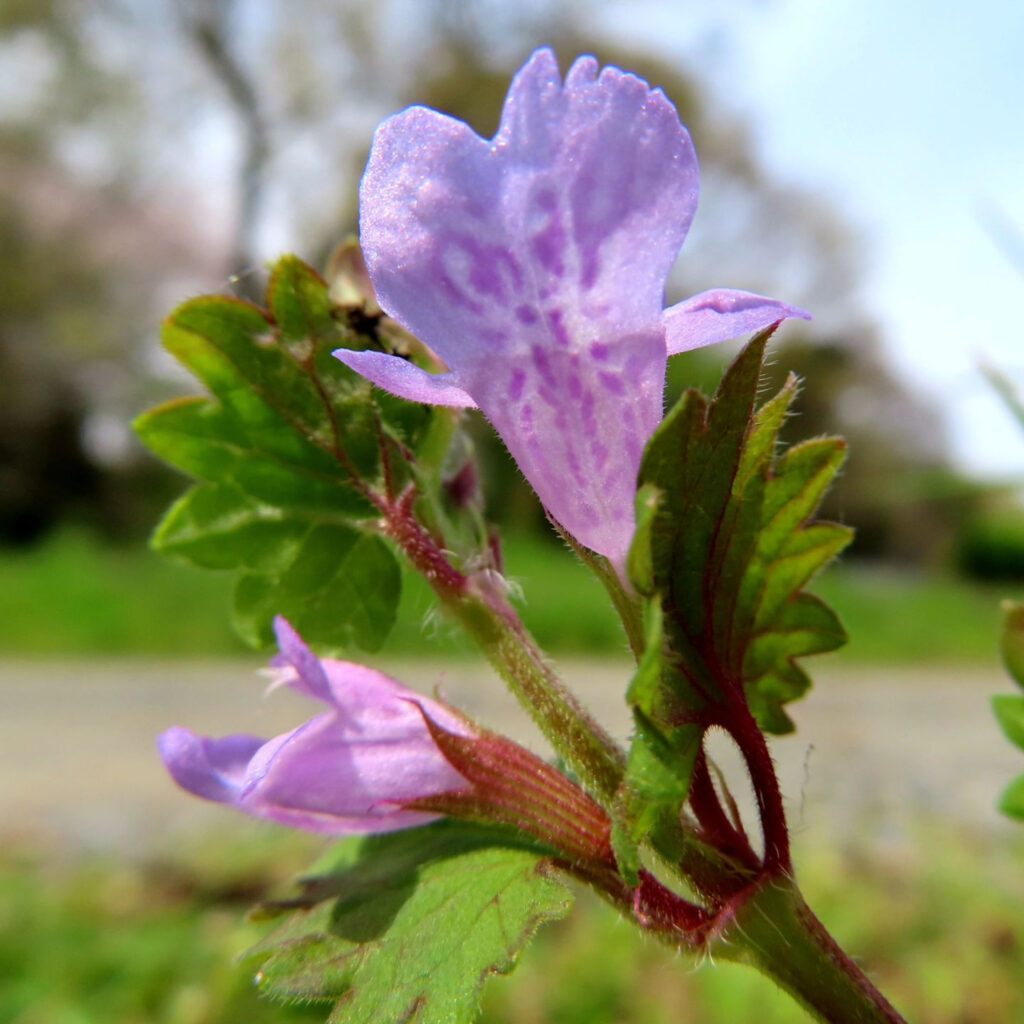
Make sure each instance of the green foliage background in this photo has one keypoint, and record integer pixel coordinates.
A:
(78, 596)
(98, 942)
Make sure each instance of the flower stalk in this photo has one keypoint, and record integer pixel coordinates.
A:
(481, 608)
(774, 930)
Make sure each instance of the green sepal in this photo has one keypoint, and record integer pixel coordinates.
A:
(407, 926)
(1013, 640)
(1010, 715)
(1009, 710)
(1011, 803)
(638, 562)
(661, 757)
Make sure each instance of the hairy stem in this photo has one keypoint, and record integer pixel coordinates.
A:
(481, 608)
(773, 929)
(625, 601)
(754, 748)
(718, 830)
(734, 716)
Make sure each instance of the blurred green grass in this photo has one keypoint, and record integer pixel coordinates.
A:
(939, 923)
(74, 596)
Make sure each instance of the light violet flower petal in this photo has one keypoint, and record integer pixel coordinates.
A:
(212, 769)
(720, 314)
(407, 380)
(348, 770)
(307, 676)
(534, 265)
(341, 777)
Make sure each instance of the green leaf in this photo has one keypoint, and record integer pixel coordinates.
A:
(1010, 714)
(199, 438)
(232, 348)
(1012, 801)
(655, 786)
(287, 448)
(341, 587)
(730, 545)
(407, 926)
(215, 526)
(1013, 640)
(661, 756)
(331, 581)
(298, 300)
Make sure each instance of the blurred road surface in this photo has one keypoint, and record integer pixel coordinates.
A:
(78, 763)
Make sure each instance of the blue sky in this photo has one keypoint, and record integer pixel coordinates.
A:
(909, 116)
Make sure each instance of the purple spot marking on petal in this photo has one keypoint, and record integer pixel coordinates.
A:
(612, 382)
(451, 271)
(547, 396)
(526, 314)
(543, 364)
(526, 417)
(574, 466)
(575, 387)
(486, 280)
(557, 326)
(600, 352)
(454, 294)
(600, 453)
(515, 385)
(547, 200)
(548, 246)
(466, 264)
(510, 265)
(635, 366)
(485, 270)
(548, 242)
(594, 209)
(586, 514)
(587, 413)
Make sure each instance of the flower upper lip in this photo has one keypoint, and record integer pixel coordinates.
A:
(534, 265)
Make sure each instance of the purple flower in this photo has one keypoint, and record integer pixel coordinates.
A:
(349, 770)
(534, 265)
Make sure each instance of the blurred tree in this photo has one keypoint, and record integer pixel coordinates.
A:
(83, 252)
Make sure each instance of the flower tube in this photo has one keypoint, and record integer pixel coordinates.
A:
(534, 265)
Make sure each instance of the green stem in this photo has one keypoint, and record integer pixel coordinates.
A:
(773, 929)
(576, 736)
(482, 610)
(626, 602)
